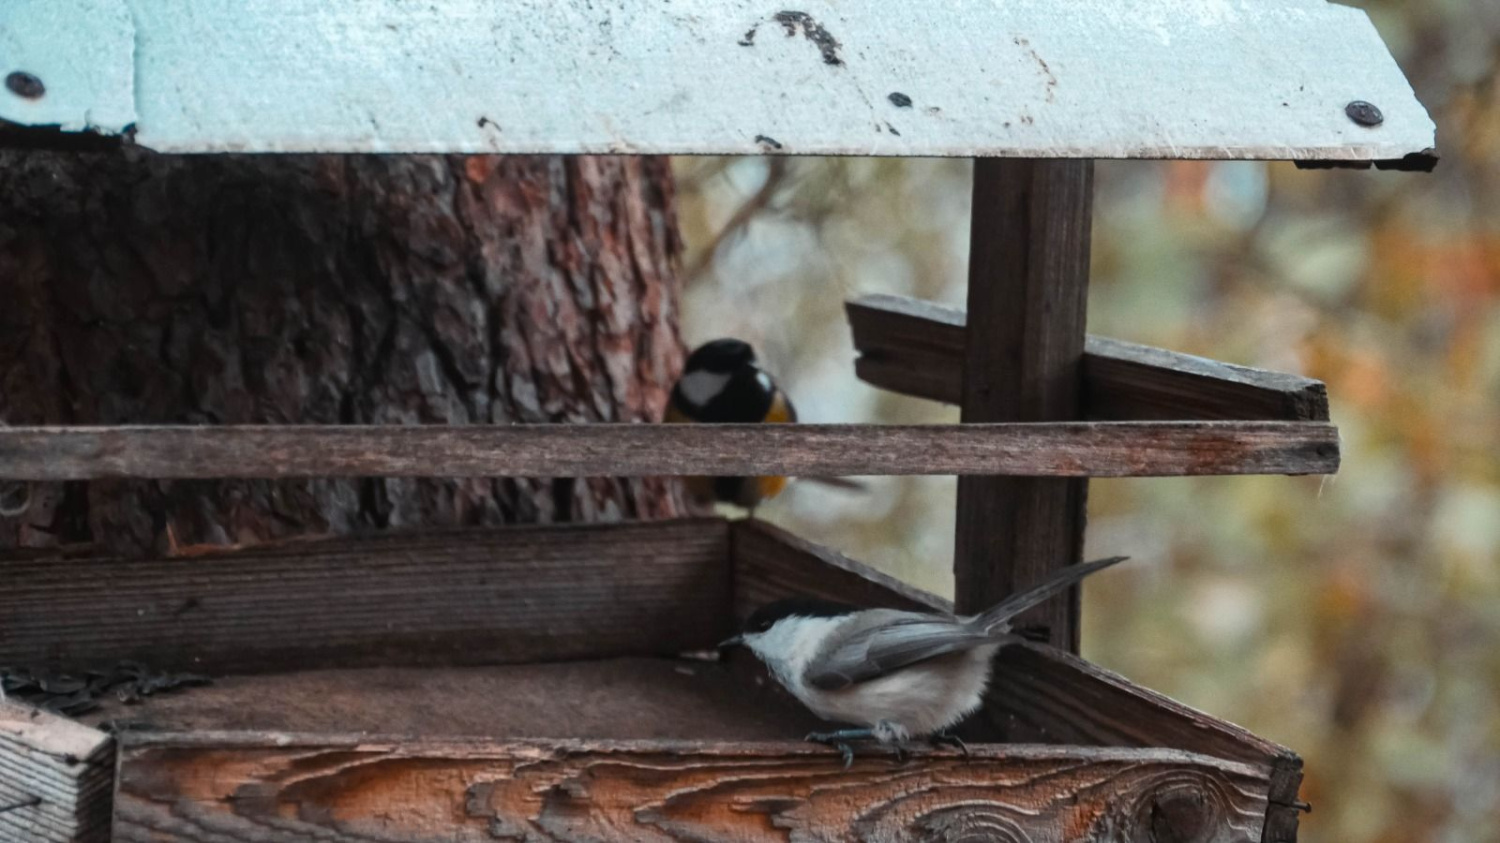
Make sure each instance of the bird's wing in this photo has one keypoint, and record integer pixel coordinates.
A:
(886, 641)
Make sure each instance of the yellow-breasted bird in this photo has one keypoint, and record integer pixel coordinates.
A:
(721, 383)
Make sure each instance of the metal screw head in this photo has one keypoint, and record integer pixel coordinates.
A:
(25, 85)
(1364, 113)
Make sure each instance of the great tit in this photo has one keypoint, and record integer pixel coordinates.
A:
(896, 674)
(722, 383)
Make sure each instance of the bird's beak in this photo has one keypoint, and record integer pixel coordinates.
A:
(731, 641)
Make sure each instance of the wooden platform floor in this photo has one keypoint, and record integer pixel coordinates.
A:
(620, 699)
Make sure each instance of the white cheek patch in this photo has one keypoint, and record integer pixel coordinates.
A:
(699, 388)
(790, 645)
(765, 381)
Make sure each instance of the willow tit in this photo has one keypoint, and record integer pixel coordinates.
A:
(898, 674)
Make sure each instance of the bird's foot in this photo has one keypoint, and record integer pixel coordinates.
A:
(839, 740)
(947, 738)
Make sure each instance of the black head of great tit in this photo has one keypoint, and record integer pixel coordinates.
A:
(722, 383)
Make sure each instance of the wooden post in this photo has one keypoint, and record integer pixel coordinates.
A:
(1028, 289)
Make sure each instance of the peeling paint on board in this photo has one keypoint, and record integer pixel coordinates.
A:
(813, 31)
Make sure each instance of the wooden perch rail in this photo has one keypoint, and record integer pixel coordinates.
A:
(1063, 449)
(917, 348)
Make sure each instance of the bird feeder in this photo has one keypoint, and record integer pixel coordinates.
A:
(525, 683)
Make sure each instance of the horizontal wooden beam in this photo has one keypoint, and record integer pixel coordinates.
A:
(56, 778)
(228, 787)
(1072, 449)
(514, 594)
(917, 348)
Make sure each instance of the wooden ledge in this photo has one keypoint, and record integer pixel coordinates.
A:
(917, 348)
(260, 787)
(1060, 449)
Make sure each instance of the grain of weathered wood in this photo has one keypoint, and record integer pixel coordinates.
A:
(1078, 449)
(909, 346)
(1284, 807)
(1047, 696)
(628, 698)
(1028, 296)
(916, 348)
(59, 774)
(771, 563)
(1041, 694)
(436, 597)
(1124, 380)
(237, 788)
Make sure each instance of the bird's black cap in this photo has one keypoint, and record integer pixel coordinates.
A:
(722, 355)
(766, 616)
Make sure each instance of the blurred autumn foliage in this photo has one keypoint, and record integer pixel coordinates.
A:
(1355, 619)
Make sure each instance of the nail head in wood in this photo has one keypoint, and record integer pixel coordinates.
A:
(1365, 114)
(25, 85)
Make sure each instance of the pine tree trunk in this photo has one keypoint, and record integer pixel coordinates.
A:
(319, 289)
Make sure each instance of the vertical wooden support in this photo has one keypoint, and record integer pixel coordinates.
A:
(1028, 289)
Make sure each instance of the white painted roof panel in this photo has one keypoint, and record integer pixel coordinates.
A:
(1267, 79)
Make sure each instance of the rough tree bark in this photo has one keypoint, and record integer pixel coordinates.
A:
(317, 289)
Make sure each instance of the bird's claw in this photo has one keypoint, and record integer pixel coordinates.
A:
(836, 741)
(940, 739)
(847, 752)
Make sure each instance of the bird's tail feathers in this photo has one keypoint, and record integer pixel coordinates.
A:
(995, 618)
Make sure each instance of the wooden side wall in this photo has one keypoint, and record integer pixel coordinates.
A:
(481, 596)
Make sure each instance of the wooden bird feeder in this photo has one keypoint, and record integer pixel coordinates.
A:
(525, 684)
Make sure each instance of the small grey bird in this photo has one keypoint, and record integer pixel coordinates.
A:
(898, 675)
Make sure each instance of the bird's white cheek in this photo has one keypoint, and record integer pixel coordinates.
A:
(699, 388)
